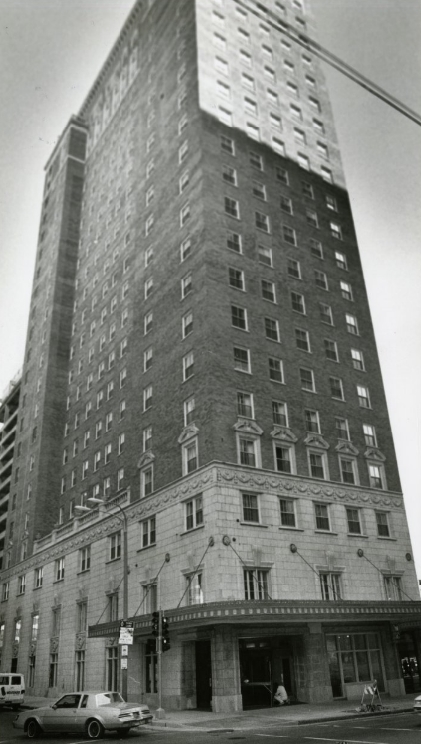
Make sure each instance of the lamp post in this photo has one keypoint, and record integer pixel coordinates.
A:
(95, 501)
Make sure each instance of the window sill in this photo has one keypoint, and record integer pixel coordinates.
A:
(254, 524)
(113, 560)
(381, 537)
(35, 588)
(325, 532)
(85, 571)
(146, 547)
(355, 534)
(193, 529)
(295, 529)
(58, 581)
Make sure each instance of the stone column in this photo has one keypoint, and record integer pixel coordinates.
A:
(226, 683)
(394, 683)
(315, 685)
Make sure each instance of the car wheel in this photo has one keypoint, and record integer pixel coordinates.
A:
(33, 729)
(94, 729)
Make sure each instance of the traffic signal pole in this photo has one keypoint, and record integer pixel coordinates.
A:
(160, 712)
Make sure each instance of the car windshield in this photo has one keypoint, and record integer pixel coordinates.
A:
(106, 698)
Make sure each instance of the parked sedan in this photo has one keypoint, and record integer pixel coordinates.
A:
(417, 704)
(87, 713)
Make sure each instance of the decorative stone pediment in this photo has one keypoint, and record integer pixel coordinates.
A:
(372, 453)
(80, 641)
(188, 432)
(346, 448)
(145, 459)
(283, 434)
(246, 426)
(316, 440)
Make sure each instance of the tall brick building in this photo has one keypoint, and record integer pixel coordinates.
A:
(201, 361)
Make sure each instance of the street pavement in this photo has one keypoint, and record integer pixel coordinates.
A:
(289, 715)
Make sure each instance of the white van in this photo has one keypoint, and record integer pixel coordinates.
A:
(12, 689)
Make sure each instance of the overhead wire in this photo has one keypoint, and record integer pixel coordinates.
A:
(305, 41)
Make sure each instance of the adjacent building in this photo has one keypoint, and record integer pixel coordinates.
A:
(201, 388)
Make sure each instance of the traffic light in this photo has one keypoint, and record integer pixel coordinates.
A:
(155, 624)
(165, 635)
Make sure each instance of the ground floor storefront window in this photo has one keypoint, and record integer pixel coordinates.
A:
(151, 667)
(112, 668)
(354, 658)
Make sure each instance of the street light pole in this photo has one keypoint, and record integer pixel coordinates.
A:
(123, 670)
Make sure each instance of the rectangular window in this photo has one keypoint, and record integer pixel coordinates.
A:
(148, 320)
(250, 508)
(336, 230)
(363, 397)
(289, 235)
(59, 569)
(341, 261)
(256, 584)
(234, 241)
(357, 359)
(227, 145)
(242, 359)
(293, 268)
(229, 175)
(317, 465)
(342, 428)
(148, 532)
(146, 481)
(279, 413)
(188, 366)
(195, 589)
(38, 577)
(330, 586)
(312, 421)
(354, 521)
(21, 584)
(262, 222)
(297, 302)
(276, 373)
(307, 380)
(351, 324)
(265, 255)
(382, 521)
(393, 588)
(322, 517)
(85, 558)
(348, 470)
(283, 458)
(239, 317)
(185, 249)
(189, 411)
(336, 388)
(232, 207)
(331, 350)
(287, 509)
(282, 176)
(268, 290)
(190, 455)
(376, 476)
(370, 435)
(302, 339)
(320, 279)
(194, 513)
(245, 405)
(346, 290)
(272, 329)
(325, 313)
(247, 451)
(286, 204)
(147, 359)
(236, 278)
(187, 324)
(186, 285)
(258, 190)
(114, 542)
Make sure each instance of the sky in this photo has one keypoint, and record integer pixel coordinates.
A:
(50, 54)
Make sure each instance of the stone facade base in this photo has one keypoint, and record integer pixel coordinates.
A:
(395, 687)
(227, 703)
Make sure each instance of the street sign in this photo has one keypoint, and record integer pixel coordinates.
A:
(126, 633)
(124, 663)
(124, 650)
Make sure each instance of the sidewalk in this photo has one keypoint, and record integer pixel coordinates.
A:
(289, 715)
